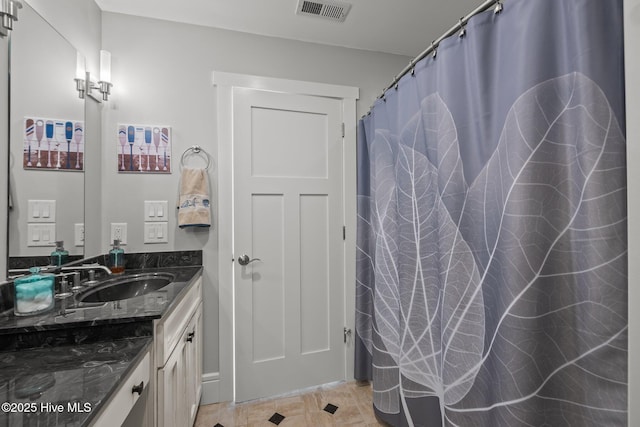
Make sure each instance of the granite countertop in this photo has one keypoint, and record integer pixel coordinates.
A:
(76, 354)
(65, 385)
(69, 313)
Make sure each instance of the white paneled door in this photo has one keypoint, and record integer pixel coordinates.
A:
(288, 242)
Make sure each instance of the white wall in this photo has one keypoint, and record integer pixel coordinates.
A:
(162, 74)
(632, 81)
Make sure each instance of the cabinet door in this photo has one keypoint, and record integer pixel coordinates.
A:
(198, 356)
(193, 364)
(172, 410)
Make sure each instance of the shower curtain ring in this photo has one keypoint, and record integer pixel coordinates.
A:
(498, 7)
(434, 49)
(463, 28)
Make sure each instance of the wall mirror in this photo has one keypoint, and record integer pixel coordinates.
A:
(47, 143)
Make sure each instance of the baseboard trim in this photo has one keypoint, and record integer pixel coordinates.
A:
(210, 388)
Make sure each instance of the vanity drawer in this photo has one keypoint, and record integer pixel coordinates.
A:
(118, 407)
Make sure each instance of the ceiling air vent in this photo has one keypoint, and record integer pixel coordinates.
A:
(335, 11)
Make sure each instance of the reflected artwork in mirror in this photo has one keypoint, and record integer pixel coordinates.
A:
(60, 133)
(47, 144)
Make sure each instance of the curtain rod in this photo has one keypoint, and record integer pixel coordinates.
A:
(434, 44)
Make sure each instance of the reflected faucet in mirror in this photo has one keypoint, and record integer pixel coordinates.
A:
(17, 272)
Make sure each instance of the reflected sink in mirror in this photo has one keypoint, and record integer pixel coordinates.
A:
(120, 288)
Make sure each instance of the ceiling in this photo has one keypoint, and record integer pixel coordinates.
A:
(404, 27)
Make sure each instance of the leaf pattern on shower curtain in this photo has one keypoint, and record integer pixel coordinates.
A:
(417, 248)
(507, 296)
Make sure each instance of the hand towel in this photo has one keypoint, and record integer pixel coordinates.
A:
(193, 199)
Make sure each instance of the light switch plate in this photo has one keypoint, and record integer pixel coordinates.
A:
(41, 234)
(156, 210)
(41, 211)
(156, 232)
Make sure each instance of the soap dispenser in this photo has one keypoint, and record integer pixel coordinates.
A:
(59, 256)
(116, 258)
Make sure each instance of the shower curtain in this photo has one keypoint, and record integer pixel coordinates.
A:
(492, 236)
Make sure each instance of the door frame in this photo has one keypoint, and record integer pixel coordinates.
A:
(225, 83)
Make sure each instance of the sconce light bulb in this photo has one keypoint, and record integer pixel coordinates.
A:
(105, 66)
(80, 66)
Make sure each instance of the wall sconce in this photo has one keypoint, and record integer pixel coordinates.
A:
(105, 74)
(80, 74)
(8, 14)
(85, 87)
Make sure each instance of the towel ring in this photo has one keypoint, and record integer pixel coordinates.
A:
(197, 150)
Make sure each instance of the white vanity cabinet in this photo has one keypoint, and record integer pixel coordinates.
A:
(120, 406)
(178, 354)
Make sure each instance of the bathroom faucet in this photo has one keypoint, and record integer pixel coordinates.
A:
(92, 271)
(18, 272)
(88, 267)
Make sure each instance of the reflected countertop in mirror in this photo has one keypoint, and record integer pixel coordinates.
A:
(47, 146)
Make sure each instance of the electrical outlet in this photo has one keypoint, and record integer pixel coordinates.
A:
(119, 232)
(79, 234)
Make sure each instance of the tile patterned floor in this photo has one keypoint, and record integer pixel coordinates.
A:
(342, 404)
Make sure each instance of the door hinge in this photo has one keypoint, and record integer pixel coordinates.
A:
(344, 232)
(343, 130)
(347, 333)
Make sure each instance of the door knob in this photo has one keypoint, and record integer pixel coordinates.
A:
(244, 260)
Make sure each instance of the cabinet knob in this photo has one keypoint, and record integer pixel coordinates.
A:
(190, 336)
(138, 388)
